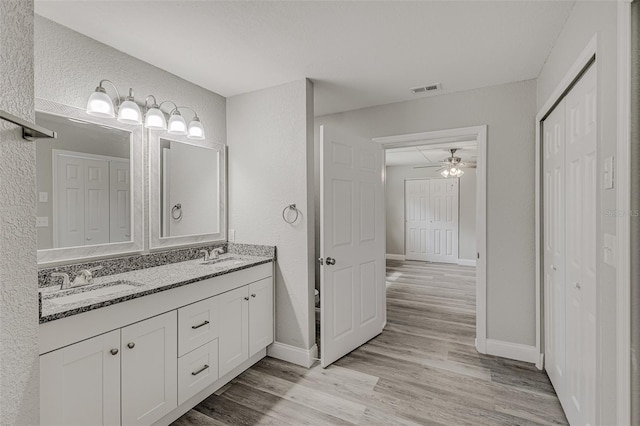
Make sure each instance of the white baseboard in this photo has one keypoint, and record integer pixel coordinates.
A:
(395, 256)
(467, 262)
(515, 351)
(299, 356)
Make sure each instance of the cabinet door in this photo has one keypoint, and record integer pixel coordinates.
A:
(149, 369)
(233, 341)
(80, 384)
(260, 315)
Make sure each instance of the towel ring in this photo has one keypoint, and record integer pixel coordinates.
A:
(176, 212)
(295, 209)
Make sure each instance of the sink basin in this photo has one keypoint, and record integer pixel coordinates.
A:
(91, 291)
(225, 262)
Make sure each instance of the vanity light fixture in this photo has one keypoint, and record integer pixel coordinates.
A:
(129, 111)
(100, 104)
(154, 117)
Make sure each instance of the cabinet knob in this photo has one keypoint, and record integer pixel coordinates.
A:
(131, 345)
(246, 298)
(253, 295)
(114, 351)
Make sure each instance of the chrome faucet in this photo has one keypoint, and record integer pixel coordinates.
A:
(84, 277)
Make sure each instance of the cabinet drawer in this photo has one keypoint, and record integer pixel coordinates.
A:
(197, 370)
(197, 325)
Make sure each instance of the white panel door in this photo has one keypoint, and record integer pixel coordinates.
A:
(443, 222)
(96, 201)
(416, 218)
(68, 212)
(554, 245)
(233, 340)
(352, 243)
(260, 315)
(80, 384)
(579, 396)
(149, 369)
(119, 201)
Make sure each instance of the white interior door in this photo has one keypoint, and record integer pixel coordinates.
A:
(581, 136)
(96, 201)
(443, 222)
(554, 245)
(352, 243)
(68, 194)
(416, 201)
(120, 201)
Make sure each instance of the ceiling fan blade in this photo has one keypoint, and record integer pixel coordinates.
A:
(424, 167)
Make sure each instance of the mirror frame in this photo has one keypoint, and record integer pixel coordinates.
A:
(73, 254)
(156, 241)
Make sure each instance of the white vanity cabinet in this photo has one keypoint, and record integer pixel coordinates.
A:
(248, 326)
(84, 383)
(80, 384)
(149, 369)
(148, 360)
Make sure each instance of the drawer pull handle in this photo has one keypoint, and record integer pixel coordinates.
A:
(131, 345)
(200, 325)
(195, 373)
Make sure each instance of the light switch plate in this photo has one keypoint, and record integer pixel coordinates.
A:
(232, 235)
(43, 197)
(42, 222)
(607, 173)
(609, 249)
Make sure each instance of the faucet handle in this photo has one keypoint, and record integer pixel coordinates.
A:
(207, 256)
(65, 279)
(95, 268)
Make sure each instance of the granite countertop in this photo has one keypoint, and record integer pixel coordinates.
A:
(134, 284)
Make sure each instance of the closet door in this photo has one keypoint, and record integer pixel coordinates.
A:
(443, 221)
(416, 218)
(581, 249)
(554, 244)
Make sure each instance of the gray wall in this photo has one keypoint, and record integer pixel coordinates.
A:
(585, 20)
(395, 206)
(509, 111)
(19, 366)
(270, 147)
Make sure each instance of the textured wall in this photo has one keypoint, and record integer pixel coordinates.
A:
(269, 145)
(509, 110)
(19, 366)
(395, 214)
(587, 19)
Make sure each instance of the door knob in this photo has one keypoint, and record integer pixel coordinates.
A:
(246, 298)
(554, 268)
(253, 295)
(131, 345)
(577, 285)
(331, 261)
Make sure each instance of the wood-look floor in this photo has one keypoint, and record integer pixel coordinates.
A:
(423, 369)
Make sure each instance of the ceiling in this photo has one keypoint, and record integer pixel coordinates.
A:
(426, 154)
(357, 53)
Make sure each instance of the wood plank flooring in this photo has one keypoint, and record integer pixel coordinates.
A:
(422, 370)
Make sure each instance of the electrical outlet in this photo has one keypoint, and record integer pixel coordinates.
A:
(232, 235)
(42, 222)
(43, 197)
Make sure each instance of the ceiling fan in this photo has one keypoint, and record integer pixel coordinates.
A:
(451, 166)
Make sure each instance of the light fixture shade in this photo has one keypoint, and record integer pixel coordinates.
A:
(100, 104)
(154, 119)
(129, 113)
(459, 173)
(445, 173)
(196, 130)
(177, 125)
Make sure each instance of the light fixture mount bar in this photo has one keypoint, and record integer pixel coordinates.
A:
(30, 131)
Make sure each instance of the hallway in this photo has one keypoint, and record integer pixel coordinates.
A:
(423, 369)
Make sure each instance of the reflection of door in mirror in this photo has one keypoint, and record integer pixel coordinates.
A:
(190, 189)
(83, 183)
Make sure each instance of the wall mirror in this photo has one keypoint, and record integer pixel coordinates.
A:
(187, 191)
(89, 186)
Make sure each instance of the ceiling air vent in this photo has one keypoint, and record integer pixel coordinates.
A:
(426, 89)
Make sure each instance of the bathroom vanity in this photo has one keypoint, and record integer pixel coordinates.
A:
(136, 326)
(169, 337)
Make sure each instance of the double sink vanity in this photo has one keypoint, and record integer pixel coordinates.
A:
(140, 320)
